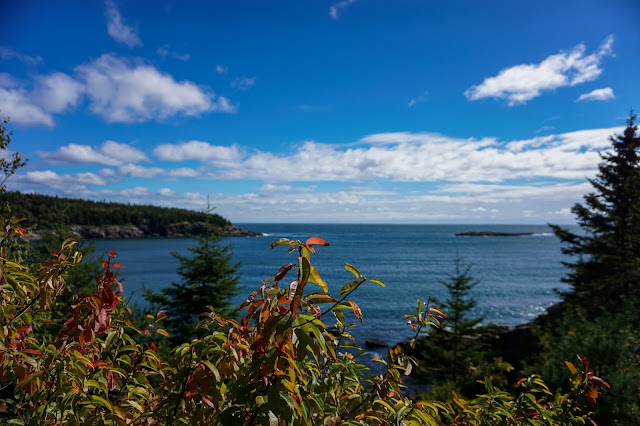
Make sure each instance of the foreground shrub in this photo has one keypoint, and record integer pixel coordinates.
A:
(279, 364)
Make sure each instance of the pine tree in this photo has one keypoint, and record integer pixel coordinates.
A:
(459, 322)
(608, 248)
(208, 278)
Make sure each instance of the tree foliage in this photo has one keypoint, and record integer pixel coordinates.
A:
(208, 278)
(44, 212)
(607, 268)
(599, 314)
(11, 164)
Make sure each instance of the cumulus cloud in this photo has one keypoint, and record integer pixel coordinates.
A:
(20, 105)
(118, 29)
(522, 83)
(137, 171)
(110, 153)
(122, 92)
(243, 83)
(269, 187)
(183, 172)
(338, 8)
(227, 156)
(597, 95)
(58, 92)
(406, 157)
(74, 183)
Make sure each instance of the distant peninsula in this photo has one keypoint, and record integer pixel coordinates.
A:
(493, 234)
(102, 219)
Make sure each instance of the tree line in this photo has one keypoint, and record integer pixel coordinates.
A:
(51, 212)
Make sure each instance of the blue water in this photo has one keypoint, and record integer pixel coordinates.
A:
(517, 274)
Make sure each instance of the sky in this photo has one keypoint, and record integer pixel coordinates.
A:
(353, 111)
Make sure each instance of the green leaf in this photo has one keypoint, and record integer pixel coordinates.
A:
(380, 283)
(102, 402)
(349, 286)
(353, 270)
(314, 277)
(213, 369)
(281, 241)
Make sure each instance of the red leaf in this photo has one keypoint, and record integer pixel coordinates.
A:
(584, 361)
(356, 309)
(117, 265)
(105, 264)
(21, 232)
(100, 363)
(112, 254)
(282, 272)
(316, 241)
(31, 351)
(318, 312)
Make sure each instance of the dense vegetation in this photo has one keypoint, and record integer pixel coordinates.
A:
(599, 315)
(47, 212)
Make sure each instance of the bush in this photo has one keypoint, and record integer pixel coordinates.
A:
(277, 365)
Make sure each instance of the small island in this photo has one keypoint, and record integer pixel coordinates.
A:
(493, 234)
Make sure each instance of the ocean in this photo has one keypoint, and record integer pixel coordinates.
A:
(517, 274)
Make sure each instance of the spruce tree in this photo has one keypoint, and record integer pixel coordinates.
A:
(607, 265)
(208, 278)
(459, 322)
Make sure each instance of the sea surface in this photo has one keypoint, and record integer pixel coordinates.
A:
(517, 274)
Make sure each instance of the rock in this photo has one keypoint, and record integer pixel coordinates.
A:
(376, 343)
(174, 230)
(493, 234)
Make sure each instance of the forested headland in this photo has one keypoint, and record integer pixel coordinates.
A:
(102, 219)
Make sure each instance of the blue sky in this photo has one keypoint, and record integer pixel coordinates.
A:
(413, 111)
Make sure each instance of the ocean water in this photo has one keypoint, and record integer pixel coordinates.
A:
(517, 274)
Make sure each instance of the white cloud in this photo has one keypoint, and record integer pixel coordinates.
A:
(110, 153)
(183, 172)
(19, 104)
(125, 93)
(243, 83)
(165, 52)
(338, 8)
(221, 69)
(522, 83)
(63, 183)
(136, 171)
(118, 29)
(58, 92)
(227, 156)
(598, 95)
(269, 187)
(406, 157)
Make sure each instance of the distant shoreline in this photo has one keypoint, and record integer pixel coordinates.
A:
(175, 230)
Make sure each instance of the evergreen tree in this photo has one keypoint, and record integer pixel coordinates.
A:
(459, 353)
(459, 323)
(208, 278)
(608, 249)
